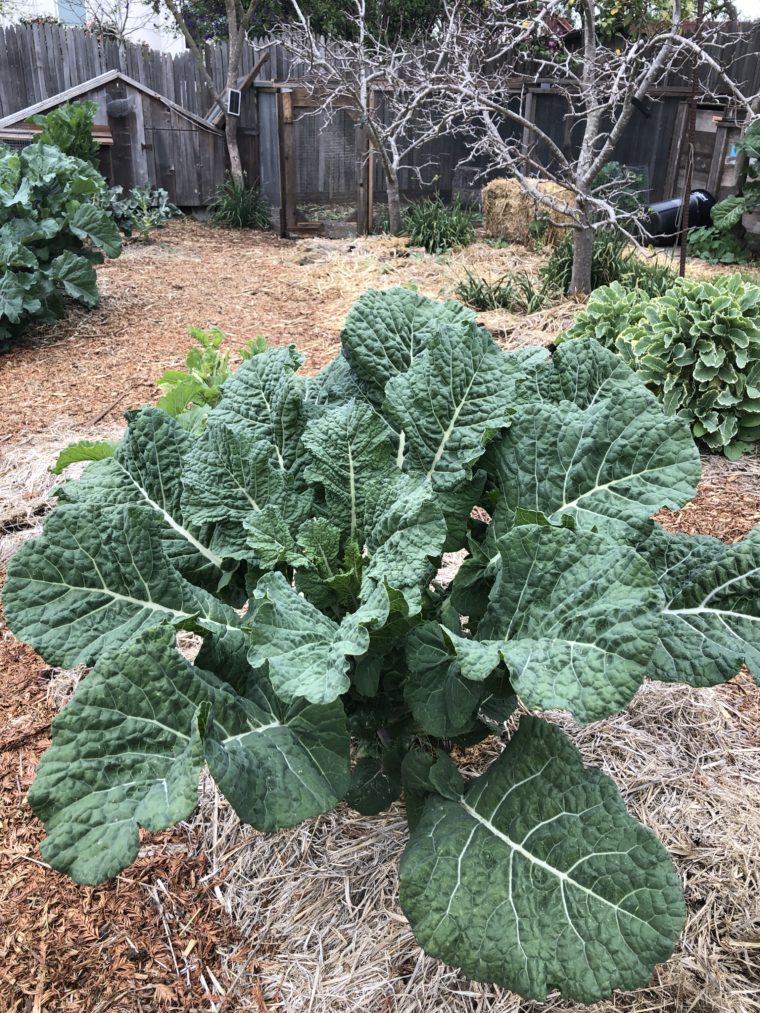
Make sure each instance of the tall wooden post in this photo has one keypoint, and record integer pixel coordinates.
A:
(362, 179)
(288, 182)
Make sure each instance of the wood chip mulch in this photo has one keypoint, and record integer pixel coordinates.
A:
(144, 942)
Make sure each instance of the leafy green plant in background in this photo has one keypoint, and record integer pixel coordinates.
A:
(698, 348)
(189, 394)
(717, 246)
(436, 227)
(515, 292)
(140, 210)
(324, 505)
(610, 262)
(724, 241)
(609, 311)
(69, 127)
(240, 207)
(51, 233)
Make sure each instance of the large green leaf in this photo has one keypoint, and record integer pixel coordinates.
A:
(574, 615)
(231, 472)
(443, 701)
(308, 653)
(536, 877)
(349, 451)
(455, 395)
(711, 622)
(128, 750)
(609, 466)
(77, 275)
(406, 531)
(94, 579)
(97, 225)
(83, 450)
(385, 331)
(265, 394)
(146, 469)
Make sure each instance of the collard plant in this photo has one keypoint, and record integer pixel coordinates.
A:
(51, 233)
(301, 535)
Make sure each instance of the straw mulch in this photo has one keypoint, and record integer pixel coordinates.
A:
(508, 210)
(318, 908)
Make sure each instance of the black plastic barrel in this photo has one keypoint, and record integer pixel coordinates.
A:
(664, 222)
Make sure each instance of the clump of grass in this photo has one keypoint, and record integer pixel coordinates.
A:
(438, 228)
(239, 207)
(515, 292)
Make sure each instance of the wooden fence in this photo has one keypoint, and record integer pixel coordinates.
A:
(38, 62)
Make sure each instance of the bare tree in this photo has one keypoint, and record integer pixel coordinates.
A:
(494, 60)
(239, 18)
(119, 19)
(387, 83)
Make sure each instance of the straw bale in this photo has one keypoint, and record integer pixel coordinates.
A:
(508, 210)
(318, 903)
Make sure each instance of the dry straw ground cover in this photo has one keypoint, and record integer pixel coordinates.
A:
(218, 918)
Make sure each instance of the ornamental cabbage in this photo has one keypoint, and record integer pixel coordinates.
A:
(300, 535)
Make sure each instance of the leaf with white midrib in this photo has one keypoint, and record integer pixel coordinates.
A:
(452, 399)
(129, 748)
(538, 878)
(107, 576)
(711, 622)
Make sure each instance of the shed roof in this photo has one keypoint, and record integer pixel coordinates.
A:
(96, 82)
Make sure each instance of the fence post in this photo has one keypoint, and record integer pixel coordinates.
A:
(288, 181)
(362, 179)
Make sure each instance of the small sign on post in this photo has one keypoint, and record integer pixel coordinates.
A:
(233, 102)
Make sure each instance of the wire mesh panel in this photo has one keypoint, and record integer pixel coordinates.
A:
(326, 172)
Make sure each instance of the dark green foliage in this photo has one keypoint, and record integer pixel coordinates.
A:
(140, 210)
(69, 127)
(240, 207)
(299, 534)
(51, 232)
(430, 223)
(610, 262)
(515, 292)
(717, 246)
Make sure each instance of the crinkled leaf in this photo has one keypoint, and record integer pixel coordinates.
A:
(575, 617)
(385, 331)
(349, 451)
(711, 621)
(374, 785)
(97, 225)
(536, 877)
(230, 473)
(77, 275)
(308, 653)
(405, 529)
(265, 394)
(442, 700)
(128, 750)
(610, 466)
(455, 395)
(146, 469)
(95, 578)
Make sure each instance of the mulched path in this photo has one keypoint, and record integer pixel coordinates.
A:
(149, 941)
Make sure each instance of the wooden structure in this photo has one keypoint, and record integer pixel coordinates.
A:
(151, 138)
(170, 136)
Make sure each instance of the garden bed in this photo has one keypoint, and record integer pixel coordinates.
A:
(315, 906)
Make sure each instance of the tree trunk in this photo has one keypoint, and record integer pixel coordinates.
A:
(394, 205)
(231, 137)
(583, 250)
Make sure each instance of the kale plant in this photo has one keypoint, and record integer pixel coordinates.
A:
(51, 232)
(301, 536)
